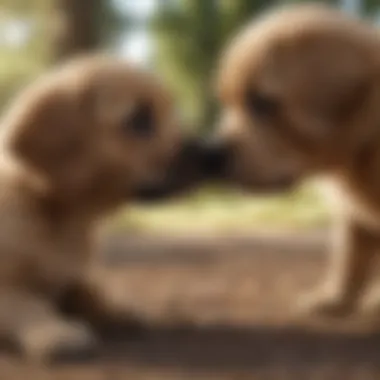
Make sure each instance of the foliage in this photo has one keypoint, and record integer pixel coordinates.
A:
(371, 7)
(189, 36)
(219, 210)
(20, 63)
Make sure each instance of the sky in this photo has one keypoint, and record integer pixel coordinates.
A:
(140, 8)
(13, 33)
(137, 45)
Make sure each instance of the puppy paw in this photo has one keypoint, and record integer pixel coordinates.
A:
(370, 306)
(57, 341)
(106, 312)
(324, 304)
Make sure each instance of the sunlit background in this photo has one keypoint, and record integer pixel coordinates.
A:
(212, 281)
(181, 40)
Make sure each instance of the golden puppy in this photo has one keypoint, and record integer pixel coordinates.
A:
(76, 144)
(300, 93)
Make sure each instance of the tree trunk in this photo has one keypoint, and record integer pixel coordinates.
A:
(208, 30)
(77, 30)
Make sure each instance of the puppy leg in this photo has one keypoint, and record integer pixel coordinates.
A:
(31, 327)
(91, 301)
(371, 304)
(354, 248)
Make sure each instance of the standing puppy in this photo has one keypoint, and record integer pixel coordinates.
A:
(77, 144)
(300, 92)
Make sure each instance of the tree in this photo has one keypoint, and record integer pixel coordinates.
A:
(371, 7)
(23, 45)
(184, 48)
(190, 35)
(83, 26)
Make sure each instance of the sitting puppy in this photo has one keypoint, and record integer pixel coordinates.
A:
(300, 91)
(82, 140)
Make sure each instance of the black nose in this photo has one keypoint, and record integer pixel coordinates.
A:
(152, 193)
(214, 159)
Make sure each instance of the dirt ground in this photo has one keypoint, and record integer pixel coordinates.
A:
(221, 308)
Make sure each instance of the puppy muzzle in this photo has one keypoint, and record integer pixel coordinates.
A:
(198, 161)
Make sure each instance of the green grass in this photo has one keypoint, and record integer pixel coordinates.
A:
(223, 210)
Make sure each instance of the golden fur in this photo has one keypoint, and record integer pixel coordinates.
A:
(300, 96)
(69, 157)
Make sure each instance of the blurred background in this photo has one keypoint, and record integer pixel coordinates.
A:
(179, 39)
(216, 286)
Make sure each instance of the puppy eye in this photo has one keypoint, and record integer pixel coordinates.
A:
(261, 105)
(141, 121)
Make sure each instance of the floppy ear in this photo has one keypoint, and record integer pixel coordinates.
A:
(349, 97)
(44, 131)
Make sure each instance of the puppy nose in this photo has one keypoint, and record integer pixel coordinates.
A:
(202, 159)
(215, 157)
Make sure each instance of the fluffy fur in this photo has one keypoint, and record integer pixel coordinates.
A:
(79, 142)
(300, 96)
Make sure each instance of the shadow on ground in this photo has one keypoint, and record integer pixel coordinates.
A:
(218, 348)
(220, 308)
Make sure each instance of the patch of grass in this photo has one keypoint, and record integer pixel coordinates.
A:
(223, 210)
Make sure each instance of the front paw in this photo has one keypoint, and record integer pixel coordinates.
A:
(324, 304)
(370, 305)
(106, 313)
(57, 341)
